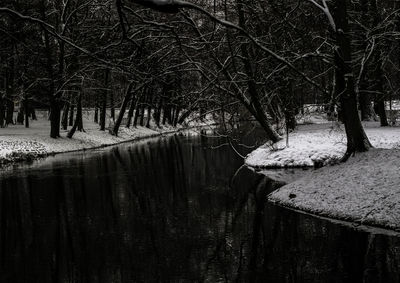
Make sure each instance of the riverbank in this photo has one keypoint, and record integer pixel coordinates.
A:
(317, 145)
(364, 190)
(18, 143)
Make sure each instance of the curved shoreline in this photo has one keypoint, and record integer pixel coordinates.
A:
(26, 148)
(364, 190)
(372, 229)
(356, 191)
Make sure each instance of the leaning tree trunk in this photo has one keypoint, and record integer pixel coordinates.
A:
(357, 140)
(252, 87)
(127, 98)
(255, 104)
(176, 117)
(184, 116)
(64, 119)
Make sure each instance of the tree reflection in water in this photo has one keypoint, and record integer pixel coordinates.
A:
(171, 210)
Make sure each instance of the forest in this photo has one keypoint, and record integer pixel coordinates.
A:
(199, 141)
(167, 59)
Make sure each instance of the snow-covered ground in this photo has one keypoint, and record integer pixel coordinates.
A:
(318, 144)
(18, 143)
(365, 190)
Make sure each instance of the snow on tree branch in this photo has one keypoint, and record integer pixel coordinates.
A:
(174, 5)
(324, 7)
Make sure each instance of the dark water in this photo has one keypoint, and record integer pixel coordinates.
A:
(171, 210)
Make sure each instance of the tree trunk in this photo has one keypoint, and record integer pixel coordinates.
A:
(64, 119)
(103, 111)
(20, 115)
(26, 110)
(71, 115)
(10, 91)
(148, 113)
(290, 111)
(127, 98)
(137, 110)
(96, 114)
(166, 113)
(184, 116)
(2, 112)
(80, 113)
(78, 120)
(55, 117)
(379, 102)
(130, 112)
(157, 113)
(379, 108)
(33, 113)
(357, 140)
(364, 97)
(365, 104)
(112, 102)
(252, 87)
(142, 110)
(112, 107)
(10, 111)
(176, 118)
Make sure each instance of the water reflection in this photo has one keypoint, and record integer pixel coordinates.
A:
(171, 210)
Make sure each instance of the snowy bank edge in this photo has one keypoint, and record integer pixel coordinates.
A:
(350, 220)
(16, 157)
(306, 196)
(317, 145)
(372, 229)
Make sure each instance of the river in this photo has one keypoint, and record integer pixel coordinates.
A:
(173, 209)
